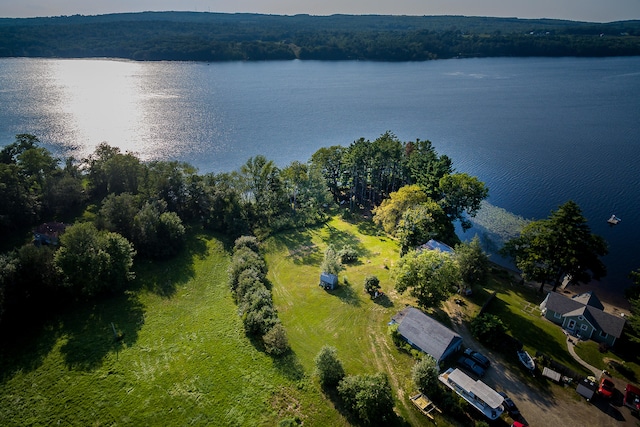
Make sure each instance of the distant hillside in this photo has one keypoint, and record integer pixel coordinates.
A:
(201, 36)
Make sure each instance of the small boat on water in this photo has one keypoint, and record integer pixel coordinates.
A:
(614, 220)
(526, 359)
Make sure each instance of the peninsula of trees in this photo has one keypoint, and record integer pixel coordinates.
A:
(193, 36)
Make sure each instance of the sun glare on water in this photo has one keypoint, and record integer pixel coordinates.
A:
(101, 101)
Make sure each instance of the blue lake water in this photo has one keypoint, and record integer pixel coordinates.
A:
(538, 131)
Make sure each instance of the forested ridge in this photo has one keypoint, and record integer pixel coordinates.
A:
(221, 37)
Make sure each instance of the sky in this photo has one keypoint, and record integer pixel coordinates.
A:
(576, 10)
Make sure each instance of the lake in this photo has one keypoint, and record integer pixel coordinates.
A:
(537, 131)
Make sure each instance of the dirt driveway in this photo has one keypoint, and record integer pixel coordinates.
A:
(553, 408)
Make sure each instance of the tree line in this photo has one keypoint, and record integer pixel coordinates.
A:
(93, 218)
(223, 37)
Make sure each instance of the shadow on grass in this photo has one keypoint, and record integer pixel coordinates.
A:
(24, 349)
(289, 366)
(97, 330)
(346, 293)
(383, 300)
(163, 277)
(340, 239)
(332, 394)
(300, 246)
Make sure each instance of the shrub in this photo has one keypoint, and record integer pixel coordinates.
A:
(248, 281)
(348, 255)
(250, 242)
(256, 299)
(395, 335)
(368, 397)
(371, 284)
(275, 340)
(242, 260)
(259, 322)
(425, 375)
(489, 330)
(328, 367)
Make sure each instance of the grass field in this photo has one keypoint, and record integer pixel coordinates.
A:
(184, 358)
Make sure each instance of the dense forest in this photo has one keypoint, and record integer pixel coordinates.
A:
(76, 229)
(221, 37)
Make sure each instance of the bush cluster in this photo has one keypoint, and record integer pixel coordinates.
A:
(247, 280)
(368, 398)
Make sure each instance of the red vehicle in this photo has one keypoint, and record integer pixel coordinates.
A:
(606, 388)
(518, 424)
(632, 397)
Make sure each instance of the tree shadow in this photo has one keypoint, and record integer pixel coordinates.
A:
(24, 349)
(289, 366)
(340, 239)
(95, 331)
(383, 300)
(301, 248)
(175, 271)
(370, 228)
(346, 293)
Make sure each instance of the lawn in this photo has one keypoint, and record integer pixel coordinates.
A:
(184, 359)
(518, 307)
(346, 318)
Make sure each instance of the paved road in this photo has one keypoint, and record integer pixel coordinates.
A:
(550, 407)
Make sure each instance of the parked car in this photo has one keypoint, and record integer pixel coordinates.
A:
(606, 388)
(479, 358)
(518, 424)
(470, 365)
(509, 406)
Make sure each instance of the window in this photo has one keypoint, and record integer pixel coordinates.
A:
(584, 327)
(603, 334)
(557, 315)
(580, 318)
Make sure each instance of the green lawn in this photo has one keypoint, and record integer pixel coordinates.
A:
(346, 318)
(185, 359)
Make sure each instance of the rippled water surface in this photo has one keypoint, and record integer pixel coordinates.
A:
(538, 131)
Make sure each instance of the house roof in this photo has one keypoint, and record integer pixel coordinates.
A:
(434, 245)
(589, 306)
(426, 333)
(590, 299)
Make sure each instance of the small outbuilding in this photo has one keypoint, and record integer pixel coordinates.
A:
(328, 281)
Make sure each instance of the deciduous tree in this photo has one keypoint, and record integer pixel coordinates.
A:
(431, 276)
(328, 367)
(462, 194)
(425, 375)
(94, 261)
(473, 262)
(368, 397)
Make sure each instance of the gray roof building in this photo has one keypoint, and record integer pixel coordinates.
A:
(427, 334)
(584, 309)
